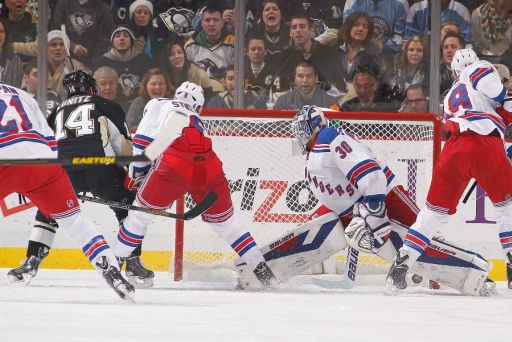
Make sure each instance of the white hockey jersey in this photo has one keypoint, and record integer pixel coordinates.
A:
(473, 99)
(24, 132)
(156, 113)
(342, 171)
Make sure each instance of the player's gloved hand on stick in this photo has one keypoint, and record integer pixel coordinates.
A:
(451, 128)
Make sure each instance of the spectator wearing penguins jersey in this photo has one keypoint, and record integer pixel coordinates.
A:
(126, 61)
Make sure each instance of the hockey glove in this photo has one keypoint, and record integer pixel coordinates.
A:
(358, 235)
(135, 176)
(376, 221)
(450, 128)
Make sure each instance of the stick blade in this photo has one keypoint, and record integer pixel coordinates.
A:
(201, 207)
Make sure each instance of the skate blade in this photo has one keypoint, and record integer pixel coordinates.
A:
(123, 292)
(140, 283)
(27, 278)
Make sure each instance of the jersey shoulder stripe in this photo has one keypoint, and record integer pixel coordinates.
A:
(362, 169)
(326, 135)
(478, 75)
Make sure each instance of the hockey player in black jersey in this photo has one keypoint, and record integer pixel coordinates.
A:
(87, 125)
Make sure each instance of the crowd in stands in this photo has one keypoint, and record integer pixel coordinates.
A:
(356, 55)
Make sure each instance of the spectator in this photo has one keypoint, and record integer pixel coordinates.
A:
(356, 36)
(11, 69)
(107, 81)
(227, 97)
(449, 26)
(451, 43)
(491, 24)
(416, 100)
(122, 57)
(306, 91)
(418, 19)
(274, 30)
(155, 84)
(258, 72)
(30, 77)
(210, 48)
(87, 23)
(504, 73)
(141, 21)
(179, 69)
(23, 29)
(411, 67)
(368, 98)
(58, 62)
(388, 18)
(306, 49)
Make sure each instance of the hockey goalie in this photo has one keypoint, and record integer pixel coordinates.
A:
(364, 208)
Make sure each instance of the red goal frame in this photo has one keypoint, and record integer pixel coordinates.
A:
(287, 114)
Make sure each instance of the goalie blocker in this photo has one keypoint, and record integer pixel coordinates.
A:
(320, 238)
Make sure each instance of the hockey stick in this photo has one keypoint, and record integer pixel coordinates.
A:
(167, 134)
(349, 276)
(200, 208)
(470, 191)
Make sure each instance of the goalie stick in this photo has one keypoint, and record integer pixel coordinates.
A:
(200, 208)
(167, 134)
(349, 276)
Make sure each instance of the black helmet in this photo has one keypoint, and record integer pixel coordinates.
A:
(79, 83)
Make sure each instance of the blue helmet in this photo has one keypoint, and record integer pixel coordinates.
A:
(308, 121)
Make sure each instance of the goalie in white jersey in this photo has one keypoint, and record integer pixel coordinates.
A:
(477, 110)
(24, 132)
(346, 177)
(189, 164)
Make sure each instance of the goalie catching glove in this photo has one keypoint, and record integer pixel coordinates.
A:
(370, 228)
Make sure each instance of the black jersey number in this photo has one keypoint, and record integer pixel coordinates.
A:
(79, 120)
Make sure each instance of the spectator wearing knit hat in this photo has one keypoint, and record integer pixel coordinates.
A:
(59, 64)
(129, 64)
(87, 23)
(141, 17)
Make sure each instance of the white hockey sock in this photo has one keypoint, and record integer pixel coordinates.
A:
(504, 215)
(421, 232)
(131, 232)
(83, 232)
(240, 240)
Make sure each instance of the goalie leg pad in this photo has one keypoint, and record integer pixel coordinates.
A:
(298, 250)
(454, 267)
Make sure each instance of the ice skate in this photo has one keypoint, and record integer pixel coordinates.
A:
(25, 272)
(137, 274)
(266, 276)
(115, 280)
(396, 277)
(28, 270)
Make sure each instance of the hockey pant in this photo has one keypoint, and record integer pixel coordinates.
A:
(49, 188)
(171, 177)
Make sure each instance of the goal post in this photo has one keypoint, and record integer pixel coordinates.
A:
(269, 193)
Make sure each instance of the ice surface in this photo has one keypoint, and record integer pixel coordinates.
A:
(77, 306)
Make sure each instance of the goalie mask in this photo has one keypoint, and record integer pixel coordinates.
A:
(191, 94)
(462, 59)
(306, 123)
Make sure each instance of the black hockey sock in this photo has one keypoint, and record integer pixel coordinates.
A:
(37, 249)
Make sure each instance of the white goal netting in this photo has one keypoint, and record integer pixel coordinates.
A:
(269, 193)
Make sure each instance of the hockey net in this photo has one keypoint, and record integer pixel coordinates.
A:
(269, 193)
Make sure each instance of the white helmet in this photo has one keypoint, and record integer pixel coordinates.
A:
(308, 121)
(462, 59)
(191, 94)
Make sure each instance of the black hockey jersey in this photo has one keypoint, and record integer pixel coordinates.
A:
(90, 126)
